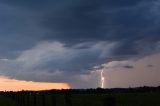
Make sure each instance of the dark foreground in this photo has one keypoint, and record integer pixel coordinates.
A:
(144, 96)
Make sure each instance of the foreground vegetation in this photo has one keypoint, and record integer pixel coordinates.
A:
(6, 101)
(145, 96)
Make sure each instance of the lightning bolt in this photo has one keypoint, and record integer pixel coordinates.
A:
(102, 79)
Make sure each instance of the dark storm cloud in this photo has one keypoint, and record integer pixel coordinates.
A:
(81, 21)
(120, 21)
(128, 66)
(93, 21)
(150, 66)
(26, 3)
(88, 33)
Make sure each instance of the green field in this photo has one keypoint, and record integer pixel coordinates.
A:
(4, 101)
(86, 99)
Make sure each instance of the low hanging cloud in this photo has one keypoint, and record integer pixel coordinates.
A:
(55, 56)
(117, 64)
(53, 61)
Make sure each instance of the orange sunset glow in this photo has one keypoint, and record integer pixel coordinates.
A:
(7, 84)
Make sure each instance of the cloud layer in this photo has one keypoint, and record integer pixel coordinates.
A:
(64, 40)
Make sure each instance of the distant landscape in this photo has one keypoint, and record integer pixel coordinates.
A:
(141, 96)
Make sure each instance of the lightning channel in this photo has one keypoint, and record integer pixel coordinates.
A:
(102, 79)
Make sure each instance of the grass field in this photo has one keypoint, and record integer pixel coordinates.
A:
(83, 99)
(4, 101)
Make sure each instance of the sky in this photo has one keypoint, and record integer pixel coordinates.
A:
(7, 84)
(70, 42)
